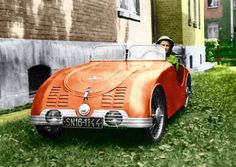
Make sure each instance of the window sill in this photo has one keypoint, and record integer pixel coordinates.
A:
(212, 7)
(128, 15)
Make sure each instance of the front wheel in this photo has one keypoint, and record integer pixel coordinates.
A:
(155, 132)
(49, 131)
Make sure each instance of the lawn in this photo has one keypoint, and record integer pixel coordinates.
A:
(202, 135)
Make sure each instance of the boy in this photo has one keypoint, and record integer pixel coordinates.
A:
(168, 44)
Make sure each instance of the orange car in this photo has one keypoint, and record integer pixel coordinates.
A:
(131, 88)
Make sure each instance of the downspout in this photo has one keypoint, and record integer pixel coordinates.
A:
(231, 21)
(154, 20)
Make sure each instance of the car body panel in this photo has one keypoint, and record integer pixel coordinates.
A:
(112, 85)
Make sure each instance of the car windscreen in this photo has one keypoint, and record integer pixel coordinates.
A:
(133, 52)
(146, 52)
(108, 52)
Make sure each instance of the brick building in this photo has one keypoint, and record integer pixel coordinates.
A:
(184, 22)
(39, 37)
(220, 19)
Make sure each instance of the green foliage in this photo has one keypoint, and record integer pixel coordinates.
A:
(201, 135)
(228, 49)
(18, 108)
(211, 49)
(223, 49)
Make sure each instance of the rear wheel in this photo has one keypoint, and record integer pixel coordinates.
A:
(155, 132)
(49, 131)
(187, 91)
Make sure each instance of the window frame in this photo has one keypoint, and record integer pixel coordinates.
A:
(213, 25)
(129, 13)
(234, 4)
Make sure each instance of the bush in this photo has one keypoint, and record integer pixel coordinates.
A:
(211, 49)
(228, 49)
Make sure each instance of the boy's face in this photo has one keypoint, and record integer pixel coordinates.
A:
(166, 45)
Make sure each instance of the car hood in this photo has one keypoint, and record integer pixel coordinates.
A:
(99, 77)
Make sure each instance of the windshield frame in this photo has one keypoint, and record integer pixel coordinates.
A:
(125, 52)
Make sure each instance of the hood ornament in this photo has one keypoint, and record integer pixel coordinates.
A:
(86, 93)
(94, 78)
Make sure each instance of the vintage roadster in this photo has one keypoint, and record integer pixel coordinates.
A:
(124, 87)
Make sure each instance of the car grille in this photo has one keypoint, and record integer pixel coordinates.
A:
(114, 99)
(56, 98)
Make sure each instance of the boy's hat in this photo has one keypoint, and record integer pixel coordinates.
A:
(166, 38)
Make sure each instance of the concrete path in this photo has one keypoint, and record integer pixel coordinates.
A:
(15, 116)
(233, 68)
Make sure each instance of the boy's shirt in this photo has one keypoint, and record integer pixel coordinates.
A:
(173, 60)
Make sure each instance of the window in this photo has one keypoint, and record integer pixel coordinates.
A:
(234, 4)
(200, 58)
(36, 76)
(212, 3)
(213, 30)
(129, 9)
(191, 61)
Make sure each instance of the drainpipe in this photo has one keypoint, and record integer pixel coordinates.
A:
(231, 21)
(154, 20)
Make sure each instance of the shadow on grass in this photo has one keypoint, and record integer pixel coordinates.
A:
(94, 138)
(24, 131)
(106, 137)
(176, 117)
(126, 138)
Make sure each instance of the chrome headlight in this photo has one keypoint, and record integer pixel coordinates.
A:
(84, 109)
(113, 118)
(53, 116)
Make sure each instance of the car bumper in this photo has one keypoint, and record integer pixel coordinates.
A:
(127, 122)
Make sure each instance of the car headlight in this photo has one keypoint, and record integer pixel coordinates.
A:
(113, 118)
(53, 116)
(84, 109)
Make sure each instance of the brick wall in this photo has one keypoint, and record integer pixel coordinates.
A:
(169, 19)
(213, 13)
(83, 20)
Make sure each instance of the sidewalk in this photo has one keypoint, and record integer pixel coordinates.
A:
(233, 69)
(15, 116)
(204, 67)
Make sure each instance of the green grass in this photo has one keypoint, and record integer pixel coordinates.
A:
(18, 108)
(228, 63)
(202, 135)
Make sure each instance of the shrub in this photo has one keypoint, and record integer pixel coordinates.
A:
(211, 49)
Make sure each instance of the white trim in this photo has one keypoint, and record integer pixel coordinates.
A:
(128, 122)
(130, 13)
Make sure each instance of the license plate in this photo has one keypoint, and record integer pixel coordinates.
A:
(79, 122)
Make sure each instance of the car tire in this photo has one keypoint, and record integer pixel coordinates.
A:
(49, 131)
(159, 116)
(187, 91)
